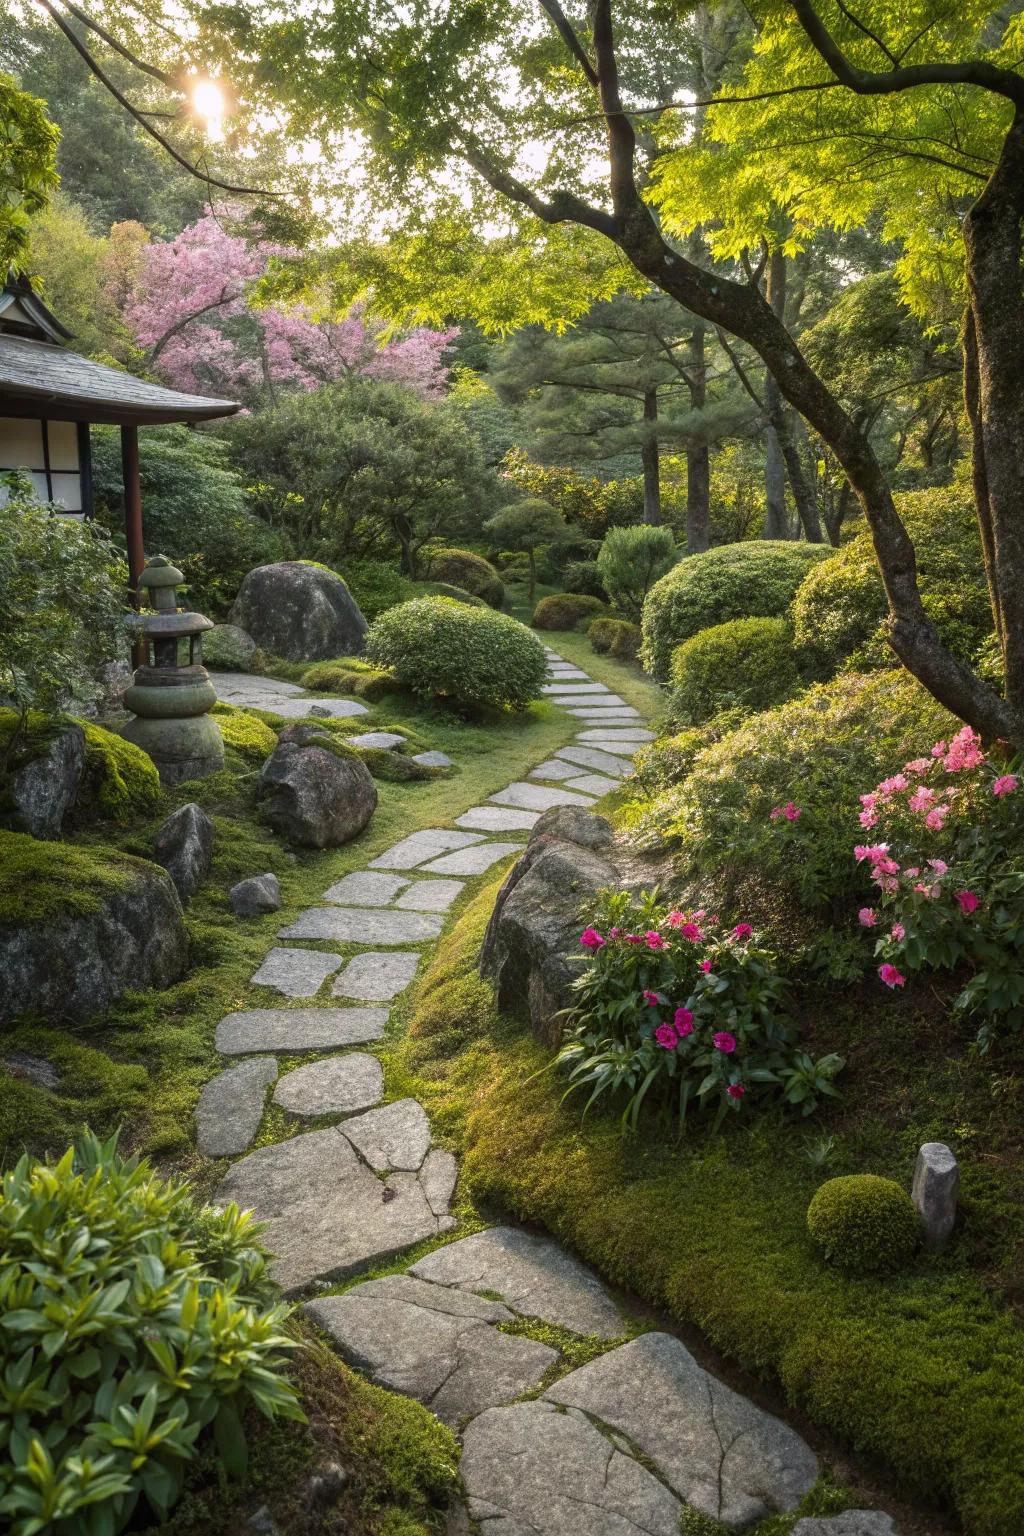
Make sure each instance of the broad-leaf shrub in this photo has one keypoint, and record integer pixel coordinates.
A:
(131, 1322)
(462, 568)
(757, 579)
(631, 561)
(864, 1225)
(614, 637)
(674, 1009)
(946, 853)
(435, 646)
(566, 610)
(376, 586)
(583, 576)
(745, 662)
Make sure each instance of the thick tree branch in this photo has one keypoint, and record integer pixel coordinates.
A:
(566, 32)
(112, 42)
(558, 208)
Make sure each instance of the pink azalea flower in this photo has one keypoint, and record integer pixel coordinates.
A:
(964, 751)
(922, 890)
(615, 933)
(891, 976)
(705, 966)
(968, 902)
(1005, 785)
(676, 919)
(651, 999)
(666, 1037)
(735, 1090)
(936, 819)
(633, 938)
(897, 932)
(724, 1042)
(591, 939)
(742, 931)
(939, 865)
(885, 866)
(917, 765)
(683, 1022)
(868, 819)
(692, 932)
(912, 872)
(869, 801)
(939, 749)
(874, 852)
(868, 917)
(888, 883)
(892, 786)
(922, 798)
(791, 812)
(654, 939)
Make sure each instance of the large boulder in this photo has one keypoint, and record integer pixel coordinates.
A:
(42, 792)
(299, 611)
(79, 927)
(314, 796)
(531, 951)
(184, 846)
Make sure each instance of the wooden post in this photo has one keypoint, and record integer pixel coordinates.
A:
(133, 521)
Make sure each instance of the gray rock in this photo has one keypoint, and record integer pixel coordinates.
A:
(613, 716)
(625, 750)
(383, 740)
(338, 1085)
(532, 1275)
(230, 1107)
(376, 977)
(295, 972)
(262, 1522)
(114, 677)
(471, 861)
(453, 1360)
(365, 888)
(634, 733)
(299, 611)
(184, 846)
(536, 797)
(363, 925)
(438, 1177)
(935, 1189)
(852, 1522)
(431, 895)
(496, 818)
(227, 646)
(592, 784)
(531, 1471)
(34, 1069)
(315, 798)
(433, 760)
(331, 709)
(570, 824)
(327, 1214)
(719, 1452)
(298, 1029)
(554, 770)
(42, 793)
(418, 847)
(570, 687)
(396, 1137)
(258, 894)
(589, 757)
(71, 965)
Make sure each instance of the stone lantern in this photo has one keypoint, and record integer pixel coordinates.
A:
(172, 695)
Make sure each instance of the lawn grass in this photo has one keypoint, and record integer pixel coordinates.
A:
(626, 678)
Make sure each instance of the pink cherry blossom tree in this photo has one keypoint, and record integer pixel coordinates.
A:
(192, 311)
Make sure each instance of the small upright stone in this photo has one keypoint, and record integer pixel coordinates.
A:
(934, 1192)
(260, 893)
(184, 846)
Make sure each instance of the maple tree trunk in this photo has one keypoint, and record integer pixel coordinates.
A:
(651, 460)
(698, 457)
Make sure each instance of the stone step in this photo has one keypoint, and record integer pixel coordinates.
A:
(589, 757)
(302, 1029)
(432, 895)
(625, 733)
(295, 972)
(230, 1107)
(334, 1086)
(362, 925)
(570, 687)
(366, 888)
(418, 847)
(494, 818)
(471, 861)
(537, 797)
(376, 976)
(554, 770)
(625, 751)
(615, 716)
(592, 784)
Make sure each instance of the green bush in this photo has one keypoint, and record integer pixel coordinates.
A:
(631, 561)
(445, 589)
(134, 1322)
(376, 586)
(747, 662)
(472, 573)
(757, 580)
(840, 605)
(583, 576)
(864, 1225)
(470, 655)
(349, 675)
(614, 637)
(566, 610)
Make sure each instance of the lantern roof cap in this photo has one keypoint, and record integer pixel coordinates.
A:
(168, 626)
(159, 572)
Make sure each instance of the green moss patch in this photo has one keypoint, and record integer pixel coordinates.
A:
(350, 676)
(245, 732)
(39, 881)
(120, 782)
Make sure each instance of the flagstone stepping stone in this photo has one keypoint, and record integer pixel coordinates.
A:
(337, 1085)
(493, 818)
(376, 977)
(553, 769)
(432, 895)
(363, 925)
(852, 1522)
(619, 733)
(614, 716)
(434, 760)
(300, 1029)
(717, 1450)
(438, 1177)
(244, 687)
(326, 1213)
(537, 797)
(532, 1275)
(568, 674)
(529, 1470)
(305, 709)
(447, 1356)
(230, 1107)
(471, 861)
(590, 757)
(584, 688)
(384, 740)
(365, 888)
(593, 783)
(624, 750)
(395, 1138)
(418, 847)
(296, 972)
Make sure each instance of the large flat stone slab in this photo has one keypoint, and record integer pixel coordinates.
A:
(531, 1471)
(635, 733)
(327, 1213)
(310, 708)
(600, 762)
(365, 888)
(565, 673)
(395, 1138)
(471, 861)
(434, 760)
(418, 847)
(537, 797)
(407, 1335)
(295, 972)
(532, 1275)
(382, 739)
(246, 687)
(558, 688)
(376, 977)
(363, 925)
(592, 784)
(610, 716)
(625, 751)
(432, 895)
(852, 1522)
(719, 1452)
(335, 1086)
(495, 818)
(554, 770)
(299, 1029)
(230, 1107)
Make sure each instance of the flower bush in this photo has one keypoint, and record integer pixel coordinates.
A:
(947, 858)
(675, 1008)
(473, 656)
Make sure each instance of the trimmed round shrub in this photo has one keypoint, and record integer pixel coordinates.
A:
(583, 576)
(146, 1327)
(566, 610)
(349, 675)
(472, 573)
(631, 561)
(840, 606)
(614, 637)
(757, 579)
(749, 662)
(445, 589)
(864, 1225)
(470, 655)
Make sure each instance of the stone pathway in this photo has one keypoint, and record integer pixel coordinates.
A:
(618, 1447)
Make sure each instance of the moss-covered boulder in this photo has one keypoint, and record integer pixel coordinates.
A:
(80, 926)
(228, 648)
(300, 611)
(41, 784)
(120, 782)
